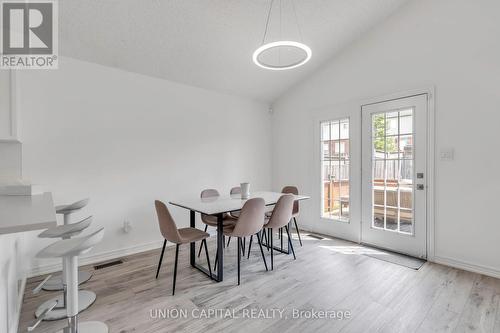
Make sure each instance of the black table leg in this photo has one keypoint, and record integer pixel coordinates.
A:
(220, 247)
(192, 246)
(192, 251)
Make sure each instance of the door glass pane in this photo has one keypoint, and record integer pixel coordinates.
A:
(406, 121)
(392, 170)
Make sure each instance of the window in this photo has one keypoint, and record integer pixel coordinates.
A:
(335, 170)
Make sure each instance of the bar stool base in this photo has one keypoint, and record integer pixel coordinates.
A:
(55, 282)
(85, 299)
(88, 327)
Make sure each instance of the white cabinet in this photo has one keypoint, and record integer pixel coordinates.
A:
(8, 130)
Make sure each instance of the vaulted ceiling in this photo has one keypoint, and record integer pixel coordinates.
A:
(209, 43)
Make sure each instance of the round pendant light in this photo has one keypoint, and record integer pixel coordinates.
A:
(289, 54)
(303, 48)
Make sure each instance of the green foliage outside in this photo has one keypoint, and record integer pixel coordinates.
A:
(379, 135)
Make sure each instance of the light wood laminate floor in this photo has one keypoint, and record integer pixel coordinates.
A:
(329, 274)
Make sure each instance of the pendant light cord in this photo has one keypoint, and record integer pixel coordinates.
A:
(297, 21)
(267, 21)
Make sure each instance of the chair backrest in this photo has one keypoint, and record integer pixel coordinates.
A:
(211, 192)
(168, 228)
(251, 219)
(282, 212)
(208, 193)
(235, 190)
(292, 190)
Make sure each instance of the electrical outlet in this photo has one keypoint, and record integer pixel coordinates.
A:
(126, 226)
(446, 154)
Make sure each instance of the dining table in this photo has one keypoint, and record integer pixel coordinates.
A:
(219, 206)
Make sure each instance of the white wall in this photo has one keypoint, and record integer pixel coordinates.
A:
(451, 45)
(125, 139)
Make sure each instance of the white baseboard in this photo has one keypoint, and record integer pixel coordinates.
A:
(99, 257)
(490, 271)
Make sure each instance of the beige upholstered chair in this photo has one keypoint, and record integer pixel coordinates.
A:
(210, 220)
(180, 236)
(249, 223)
(281, 215)
(295, 212)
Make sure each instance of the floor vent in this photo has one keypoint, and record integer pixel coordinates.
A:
(108, 264)
(315, 236)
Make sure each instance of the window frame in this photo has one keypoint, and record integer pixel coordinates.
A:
(340, 120)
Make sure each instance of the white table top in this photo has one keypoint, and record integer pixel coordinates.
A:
(20, 213)
(228, 203)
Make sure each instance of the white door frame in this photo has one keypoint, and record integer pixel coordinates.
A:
(352, 110)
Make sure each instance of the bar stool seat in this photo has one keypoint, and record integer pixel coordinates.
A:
(71, 208)
(69, 250)
(66, 230)
(85, 298)
(55, 283)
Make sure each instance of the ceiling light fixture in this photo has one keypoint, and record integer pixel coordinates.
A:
(283, 50)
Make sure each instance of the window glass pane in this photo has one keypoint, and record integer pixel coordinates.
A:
(406, 196)
(378, 217)
(378, 172)
(335, 169)
(325, 131)
(391, 196)
(378, 196)
(406, 172)
(391, 123)
(406, 146)
(391, 147)
(393, 170)
(378, 125)
(335, 127)
(344, 129)
(406, 121)
(326, 153)
(406, 221)
(391, 218)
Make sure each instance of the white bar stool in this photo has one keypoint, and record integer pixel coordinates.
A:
(56, 281)
(69, 250)
(85, 297)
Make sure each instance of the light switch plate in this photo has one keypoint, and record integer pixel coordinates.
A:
(446, 154)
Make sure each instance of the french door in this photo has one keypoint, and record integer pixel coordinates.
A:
(394, 189)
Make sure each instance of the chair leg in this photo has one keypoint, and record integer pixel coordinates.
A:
(161, 257)
(272, 249)
(199, 251)
(216, 257)
(228, 240)
(175, 267)
(297, 228)
(261, 250)
(290, 242)
(242, 245)
(208, 258)
(264, 235)
(281, 238)
(239, 258)
(249, 246)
